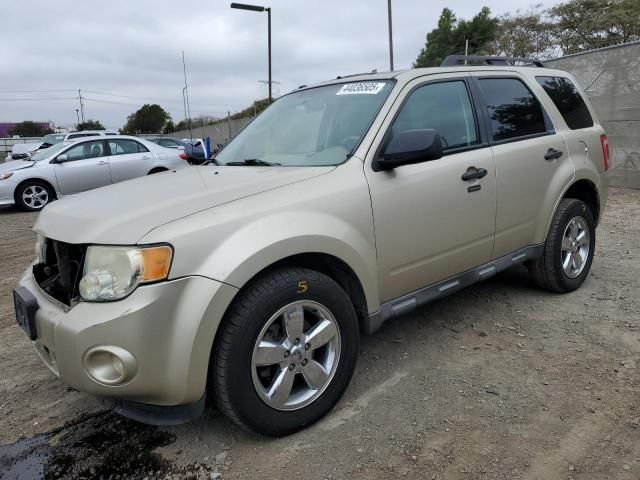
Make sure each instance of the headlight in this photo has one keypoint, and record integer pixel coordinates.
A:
(5, 175)
(41, 252)
(112, 273)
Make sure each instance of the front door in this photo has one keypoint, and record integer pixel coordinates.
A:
(430, 224)
(86, 167)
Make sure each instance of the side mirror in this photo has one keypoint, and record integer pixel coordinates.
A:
(60, 158)
(410, 146)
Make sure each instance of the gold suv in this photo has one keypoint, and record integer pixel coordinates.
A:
(248, 281)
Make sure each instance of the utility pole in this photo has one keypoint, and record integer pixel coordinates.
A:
(186, 94)
(390, 36)
(229, 123)
(466, 49)
(78, 117)
(81, 105)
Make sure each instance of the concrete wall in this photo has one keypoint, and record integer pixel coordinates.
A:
(220, 133)
(611, 78)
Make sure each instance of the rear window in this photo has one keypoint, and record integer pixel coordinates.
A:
(514, 111)
(568, 100)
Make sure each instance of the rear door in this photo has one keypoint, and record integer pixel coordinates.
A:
(430, 224)
(531, 158)
(86, 167)
(128, 158)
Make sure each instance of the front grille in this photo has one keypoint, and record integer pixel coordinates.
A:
(59, 274)
(19, 156)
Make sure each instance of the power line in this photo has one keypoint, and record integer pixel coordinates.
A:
(35, 91)
(161, 101)
(36, 99)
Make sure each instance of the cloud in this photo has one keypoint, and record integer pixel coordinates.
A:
(133, 49)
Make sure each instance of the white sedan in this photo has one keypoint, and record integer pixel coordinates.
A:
(72, 167)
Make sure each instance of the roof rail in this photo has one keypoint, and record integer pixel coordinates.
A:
(479, 60)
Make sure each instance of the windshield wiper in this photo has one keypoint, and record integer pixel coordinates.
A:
(255, 162)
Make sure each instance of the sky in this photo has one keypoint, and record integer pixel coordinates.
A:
(122, 54)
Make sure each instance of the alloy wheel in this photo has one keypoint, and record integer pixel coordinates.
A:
(296, 355)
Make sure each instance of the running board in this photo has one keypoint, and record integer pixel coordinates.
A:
(411, 301)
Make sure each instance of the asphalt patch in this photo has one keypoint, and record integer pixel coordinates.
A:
(101, 446)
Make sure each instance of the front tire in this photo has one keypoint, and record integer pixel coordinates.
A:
(285, 352)
(568, 250)
(33, 195)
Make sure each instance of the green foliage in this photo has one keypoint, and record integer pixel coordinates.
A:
(588, 24)
(150, 118)
(255, 108)
(169, 127)
(90, 125)
(29, 129)
(528, 34)
(450, 35)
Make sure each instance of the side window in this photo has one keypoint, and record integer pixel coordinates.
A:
(445, 107)
(76, 135)
(125, 147)
(568, 100)
(514, 111)
(86, 150)
(168, 143)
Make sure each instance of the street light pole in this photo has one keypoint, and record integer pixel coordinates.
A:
(269, 48)
(256, 8)
(390, 36)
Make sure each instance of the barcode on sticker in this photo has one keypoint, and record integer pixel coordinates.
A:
(361, 88)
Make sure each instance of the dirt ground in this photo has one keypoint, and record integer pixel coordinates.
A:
(500, 381)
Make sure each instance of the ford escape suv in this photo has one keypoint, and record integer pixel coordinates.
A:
(343, 205)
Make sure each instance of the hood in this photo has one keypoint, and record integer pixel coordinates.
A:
(123, 213)
(25, 147)
(15, 165)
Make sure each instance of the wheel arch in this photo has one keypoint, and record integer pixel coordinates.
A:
(586, 191)
(157, 170)
(34, 179)
(331, 266)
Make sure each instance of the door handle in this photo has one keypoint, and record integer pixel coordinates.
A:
(553, 154)
(472, 173)
(146, 157)
(102, 162)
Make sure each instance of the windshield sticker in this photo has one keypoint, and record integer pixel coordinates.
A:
(361, 88)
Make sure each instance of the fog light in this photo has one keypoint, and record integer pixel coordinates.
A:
(110, 365)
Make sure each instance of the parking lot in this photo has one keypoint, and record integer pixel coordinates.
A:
(499, 381)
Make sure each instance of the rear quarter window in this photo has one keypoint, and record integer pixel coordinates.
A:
(568, 101)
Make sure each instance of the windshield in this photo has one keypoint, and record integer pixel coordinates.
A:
(319, 126)
(49, 152)
(52, 139)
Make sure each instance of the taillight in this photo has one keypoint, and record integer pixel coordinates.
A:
(604, 140)
(183, 156)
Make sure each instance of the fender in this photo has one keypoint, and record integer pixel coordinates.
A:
(329, 214)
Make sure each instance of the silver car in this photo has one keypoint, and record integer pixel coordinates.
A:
(75, 166)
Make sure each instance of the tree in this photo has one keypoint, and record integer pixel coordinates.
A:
(169, 127)
(147, 119)
(588, 24)
(450, 36)
(30, 129)
(90, 125)
(529, 34)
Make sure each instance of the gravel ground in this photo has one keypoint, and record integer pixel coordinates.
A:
(500, 381)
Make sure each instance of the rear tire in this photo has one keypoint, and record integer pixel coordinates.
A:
(33, 195)
(568, 250)
(264, 374)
